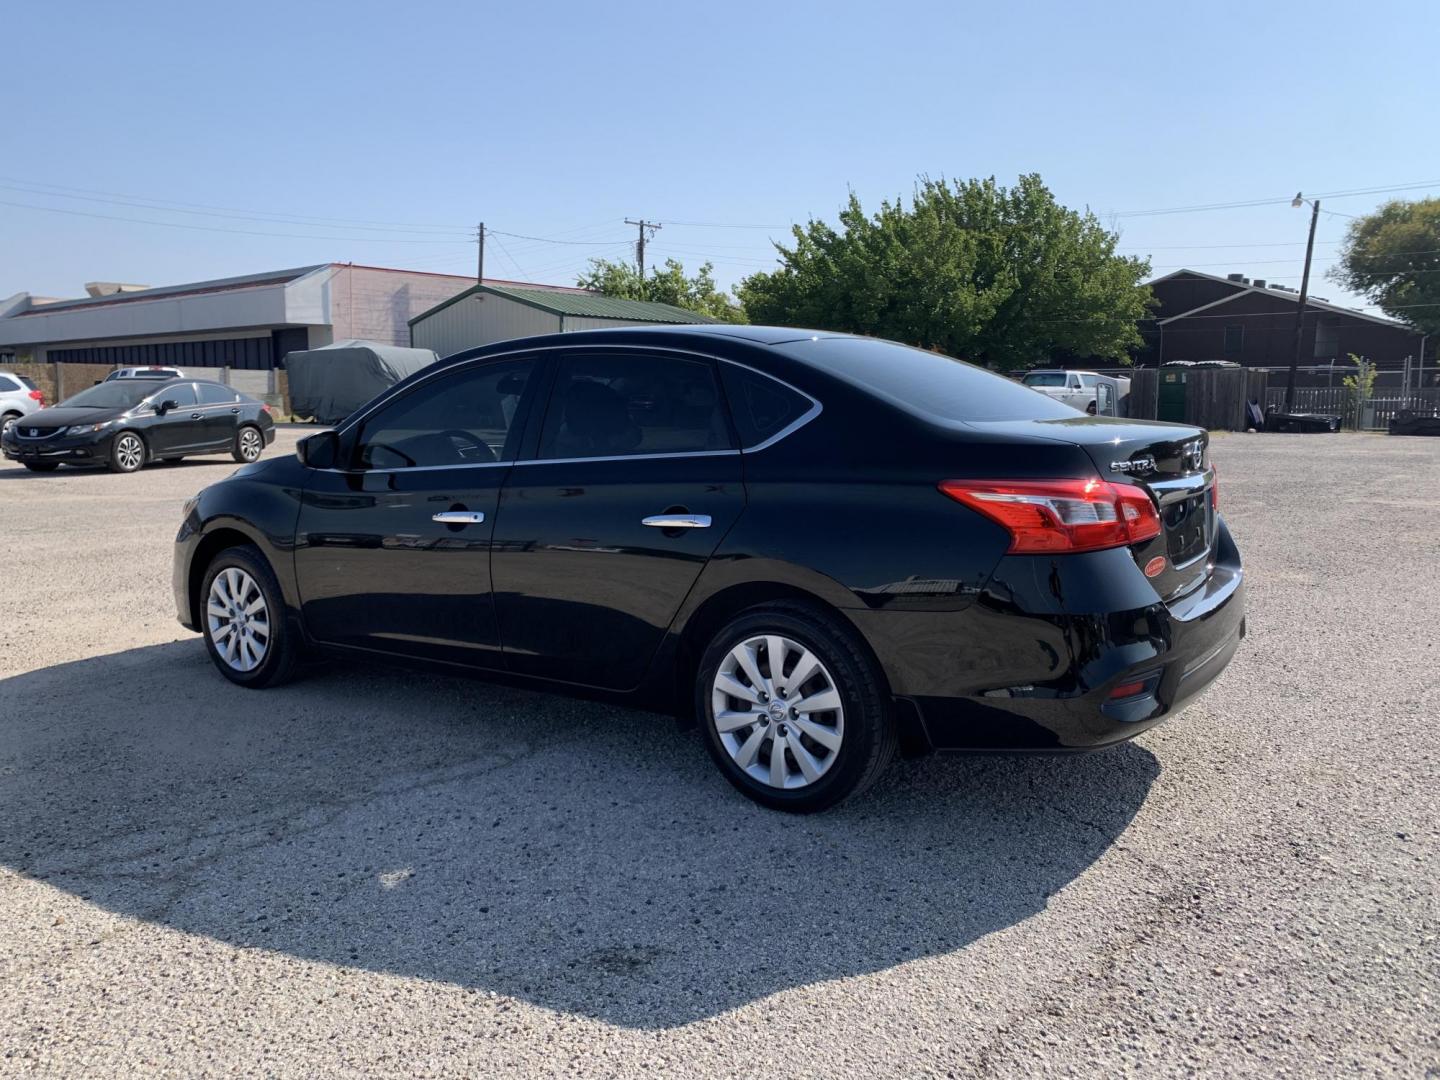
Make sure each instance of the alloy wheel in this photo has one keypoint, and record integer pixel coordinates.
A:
(250, 445)
(7, 423)
(238, 619)
(777, 711)
(129, 452)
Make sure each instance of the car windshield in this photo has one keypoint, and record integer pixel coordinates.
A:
(1045, 378)
(121, 394)
(926, 382)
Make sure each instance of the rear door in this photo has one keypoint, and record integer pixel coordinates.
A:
(603, 532)
(220, 415)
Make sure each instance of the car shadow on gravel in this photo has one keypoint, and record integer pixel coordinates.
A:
(582, 857)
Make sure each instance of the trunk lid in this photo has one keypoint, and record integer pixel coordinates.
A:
(1169, 461)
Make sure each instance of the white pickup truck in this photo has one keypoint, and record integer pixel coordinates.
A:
(1074, 388)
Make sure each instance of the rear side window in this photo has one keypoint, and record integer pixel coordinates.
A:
(29, 384)
(215, 394)
(760, 406)
(607, 405)
(7, 383)
(926, 383)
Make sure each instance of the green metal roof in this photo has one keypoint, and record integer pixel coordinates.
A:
(588, 305)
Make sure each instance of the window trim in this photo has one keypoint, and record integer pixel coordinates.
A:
(795, 425)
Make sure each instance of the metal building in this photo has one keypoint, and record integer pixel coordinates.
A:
(486, 313)
(241, 323)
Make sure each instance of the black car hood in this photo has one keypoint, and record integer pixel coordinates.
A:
(61, 417)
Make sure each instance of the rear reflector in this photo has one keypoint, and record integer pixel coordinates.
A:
(1129, 689)
(1061, 515)
(1214, 488)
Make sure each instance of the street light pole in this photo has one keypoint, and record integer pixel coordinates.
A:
(1300, 200)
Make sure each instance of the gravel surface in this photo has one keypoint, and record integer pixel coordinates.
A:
(382, 872)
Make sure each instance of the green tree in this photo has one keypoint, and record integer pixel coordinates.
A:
(669, 285)
(1393, 257)
(1003, 276)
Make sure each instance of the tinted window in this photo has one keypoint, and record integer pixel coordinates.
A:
(926, 382)
(1045, 378)
(29, 383)
(465, 418)
(111, 395)
(633, 404)
(7, 383)
(182, 394)
(760, 406)
(215, 394)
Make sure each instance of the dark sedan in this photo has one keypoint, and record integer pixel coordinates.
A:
(127, 423)
(821, 548)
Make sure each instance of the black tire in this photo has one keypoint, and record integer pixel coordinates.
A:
(249, 444)
(1090, 408)
(869, 736)
(277, 664)
(6, 420)
(123, 456)
(42, 466)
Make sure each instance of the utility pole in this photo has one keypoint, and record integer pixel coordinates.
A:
(1299, 200)
(480, 254)
(642, 224)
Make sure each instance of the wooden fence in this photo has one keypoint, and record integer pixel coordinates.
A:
(1215, 398)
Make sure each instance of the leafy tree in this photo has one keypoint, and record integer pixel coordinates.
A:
(1393, 257)
(667, 286)
(1000, 276)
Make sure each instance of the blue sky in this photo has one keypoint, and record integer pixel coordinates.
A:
(380, 133)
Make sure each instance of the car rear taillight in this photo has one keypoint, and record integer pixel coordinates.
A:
(268, 411)
(36, 395)
(1061, 515)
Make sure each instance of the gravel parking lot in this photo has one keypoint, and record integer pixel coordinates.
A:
(383, 872)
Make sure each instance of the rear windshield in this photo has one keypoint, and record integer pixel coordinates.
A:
(1045, 378)
(926, 382)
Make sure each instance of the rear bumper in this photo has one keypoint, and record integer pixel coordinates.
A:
(1032, 663)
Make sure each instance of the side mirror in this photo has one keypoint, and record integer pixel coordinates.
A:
(319, 451)
(165, 406)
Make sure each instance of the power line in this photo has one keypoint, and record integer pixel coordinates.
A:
(240, 232)
(1265, 202)
(201, 209)
(553, 240)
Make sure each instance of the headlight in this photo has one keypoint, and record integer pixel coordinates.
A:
(189, 505)
(86, 429)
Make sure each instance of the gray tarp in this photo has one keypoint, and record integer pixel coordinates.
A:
(331, 382)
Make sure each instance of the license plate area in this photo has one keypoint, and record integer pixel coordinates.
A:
(1188, 528)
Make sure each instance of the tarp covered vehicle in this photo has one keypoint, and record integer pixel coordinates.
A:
(329, 383)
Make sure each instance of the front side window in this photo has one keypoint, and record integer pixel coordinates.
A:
(182, 394)
(1045, 378)
(606, 405)
(464, 418)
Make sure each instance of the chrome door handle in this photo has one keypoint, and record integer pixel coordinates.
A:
(678, 521)
(459, 517)
(194, 416)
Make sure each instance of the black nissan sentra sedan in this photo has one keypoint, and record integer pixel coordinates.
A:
(126, 423)
(821, 548)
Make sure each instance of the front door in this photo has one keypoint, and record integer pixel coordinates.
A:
(602, 535)
(393, 548)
